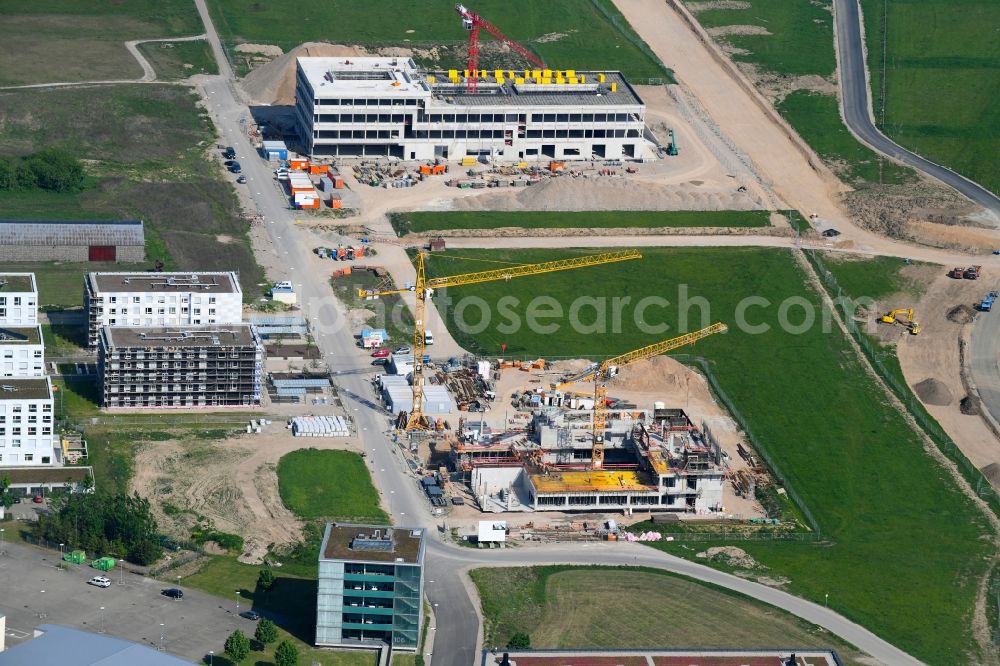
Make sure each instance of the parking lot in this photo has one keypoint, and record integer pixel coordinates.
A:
(34, 590)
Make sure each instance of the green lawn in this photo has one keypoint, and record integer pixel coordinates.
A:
(872, 277)
(179, 60)
(328, 484)
(575, 34)
(68, 40)
(390, 312)
(418, 221)
(813, 409)
(801, 43)
(942, 80)
(554, 606)
(146, 147)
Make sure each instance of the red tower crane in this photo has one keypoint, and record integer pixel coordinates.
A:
(472, 22)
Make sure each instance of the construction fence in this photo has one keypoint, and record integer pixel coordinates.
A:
(875, 354)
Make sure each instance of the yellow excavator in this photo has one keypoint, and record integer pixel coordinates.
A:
(891, 317)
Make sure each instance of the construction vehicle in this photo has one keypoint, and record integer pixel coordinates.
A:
(424, 288)
(609, 368)
(672, 146)
(891, 318)
(472, 22)
(973, 272)
(986, 305)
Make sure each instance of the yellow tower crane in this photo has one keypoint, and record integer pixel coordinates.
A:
(424, 287)
(603, 372)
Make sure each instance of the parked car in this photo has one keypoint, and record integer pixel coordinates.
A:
(229, 153)
(241, 180)
(381, 353)
(381, 361)
(100, 581)
(173, 593)
(458, 501)
(17, 499)
(37, 499)
(250, 615)
(229, 163)
(236, 168)
(402, 350)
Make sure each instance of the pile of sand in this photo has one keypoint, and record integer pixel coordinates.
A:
(971, 406)
(961, 314)
(274, 83)
(934, 392)
(731, 555)
(659, 374)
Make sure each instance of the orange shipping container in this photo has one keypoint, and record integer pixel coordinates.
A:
(338, 183)
(336, 203)
(318, 168)
(297, 189)
(359, 251)
(425, 169)
(347, 270)
(299, 165)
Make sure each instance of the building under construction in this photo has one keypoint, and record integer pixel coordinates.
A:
(180, 367)
(654, 459)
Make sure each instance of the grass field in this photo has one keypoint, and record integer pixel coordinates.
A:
(567, 34)
(67, 40)
(800, 43)
(874, 498)
(555, 606)
(171, 59)
(306, 486)
(941, 80)
(146, 151)
(874, 277)
(417, 222)
(391, 313)
(285, 603)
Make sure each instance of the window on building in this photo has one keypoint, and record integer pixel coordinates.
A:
(29, 457)
(17, 300)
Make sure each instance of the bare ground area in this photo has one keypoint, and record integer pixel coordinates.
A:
(230, 482)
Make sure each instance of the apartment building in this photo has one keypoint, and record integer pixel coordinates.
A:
(137, 300)
(218, 365)
(370, 586)
(386, 107)
(26, 436)
(18, 299)
(22, 353)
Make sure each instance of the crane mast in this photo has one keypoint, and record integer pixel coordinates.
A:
(472, 22)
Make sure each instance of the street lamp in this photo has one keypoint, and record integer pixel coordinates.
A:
(60, 552)
(237, 602)
(210, 653)
(161, 638)
(3, 551)
(102, 621)
(41, 606)
(826, 600)
(121, 572)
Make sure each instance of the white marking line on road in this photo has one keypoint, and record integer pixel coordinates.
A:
(17, 633)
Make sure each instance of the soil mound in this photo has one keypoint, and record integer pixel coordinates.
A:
(992, 474)
(274, 83)
(970, 405)
(934, 392)
(961, 314)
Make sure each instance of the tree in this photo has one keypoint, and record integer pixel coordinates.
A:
(519, 640)
(5, 497)
(286, 654)
(265, 579)
(266, 632)
(238, 646)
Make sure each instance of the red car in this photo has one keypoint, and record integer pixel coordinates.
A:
(380, 353)
(37, 499)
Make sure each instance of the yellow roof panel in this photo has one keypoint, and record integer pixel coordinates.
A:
(590, 481)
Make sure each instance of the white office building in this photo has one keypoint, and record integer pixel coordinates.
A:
(143, 300)
(26, 437)
(386, 107)
(18, 299)
(22, 353)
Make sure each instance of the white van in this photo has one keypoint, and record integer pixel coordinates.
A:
(428, 338)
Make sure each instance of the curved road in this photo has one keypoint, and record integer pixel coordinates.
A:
(858, 116)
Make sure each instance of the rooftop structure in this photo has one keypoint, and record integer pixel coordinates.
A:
(153, 282)
(22, 353)
(56, 644)
(12, 390)
(370, 586)
(26, 434)
(379, 106)
(17, 282)
(18, 299)
(58, 240)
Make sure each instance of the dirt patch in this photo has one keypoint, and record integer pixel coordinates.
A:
(961, 314)
(224, 239)
(992, 474)
(262, 49)
(723, 30)
(934, 392)
(695, 7)
(730, 555)
(274, 83)
(775, 86)
(971, 406)
(552, 37)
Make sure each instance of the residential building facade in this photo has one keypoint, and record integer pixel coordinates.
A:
(26, 428)
(386, 107)
(370, 587)
(136, 300)
(180, 367)
(18, 299)
(22, 353)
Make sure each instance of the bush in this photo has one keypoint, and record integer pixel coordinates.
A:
(52, 169)
(238, 646)
(266, 632)
(286, 654)
(519, 640)
(265, 579)
(230, 542)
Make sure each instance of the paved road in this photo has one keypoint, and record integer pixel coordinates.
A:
(984, 360)
(858, 110)
(457, 622)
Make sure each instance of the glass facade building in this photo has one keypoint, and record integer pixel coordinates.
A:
(370, 587)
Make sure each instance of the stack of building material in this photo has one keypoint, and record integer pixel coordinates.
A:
(304, 195)
(320, 426)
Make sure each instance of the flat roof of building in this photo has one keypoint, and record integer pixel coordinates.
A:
(210, 335)
(339, 543)
(73, 647)
(209, 283)
(45, 474)
(512, 94)
(71, 232)
(25, 389)
(20, 335)
(666, 657)
(17, 282)
(599, 481)
(361, 75)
